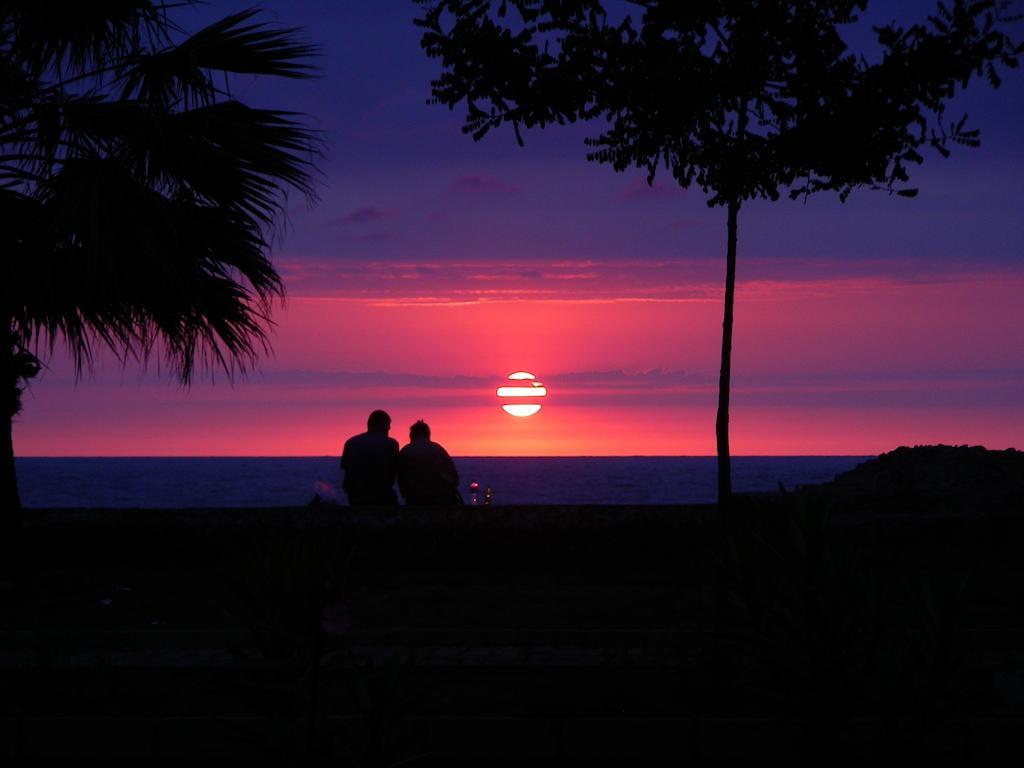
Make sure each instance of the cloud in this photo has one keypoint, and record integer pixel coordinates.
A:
(666, 387)
(481, 184)
(407, 280)
(333, 379)
(395, 272)
(365, 215)
(656, 377)
(570, 275)
(580, 386)
(659, 190)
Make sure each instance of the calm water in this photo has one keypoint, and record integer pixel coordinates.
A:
(270, 482)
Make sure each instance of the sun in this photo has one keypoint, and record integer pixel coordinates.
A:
(529, 388)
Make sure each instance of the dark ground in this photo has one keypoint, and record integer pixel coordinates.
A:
(515, 633)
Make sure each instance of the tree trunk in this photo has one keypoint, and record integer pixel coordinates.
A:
(8, 477)
(10, 502)
(8, 409)
(722, 422)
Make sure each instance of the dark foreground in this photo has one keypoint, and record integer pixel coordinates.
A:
(506, 634)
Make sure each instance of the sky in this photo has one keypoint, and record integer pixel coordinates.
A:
(432, 266)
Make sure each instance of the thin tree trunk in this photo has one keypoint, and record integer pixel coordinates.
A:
(721, 672)
(721, 669)
(722, 422)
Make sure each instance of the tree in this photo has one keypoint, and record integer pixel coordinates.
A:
(138, 195)
(744, 99)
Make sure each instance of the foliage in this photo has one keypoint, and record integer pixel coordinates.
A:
(138, 193)
(674, 87)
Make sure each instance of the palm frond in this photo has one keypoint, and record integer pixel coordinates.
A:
(237, 156)
(140, 201)
(184, 72)
(130, 268)
(71, 39)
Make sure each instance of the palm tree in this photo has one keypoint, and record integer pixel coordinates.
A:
(138, 195)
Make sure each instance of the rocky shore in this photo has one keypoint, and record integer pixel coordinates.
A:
(931, 478)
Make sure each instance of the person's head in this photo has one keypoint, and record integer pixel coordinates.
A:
(379, 421)
(419, 431)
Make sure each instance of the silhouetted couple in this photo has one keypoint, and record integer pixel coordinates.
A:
(371, 462)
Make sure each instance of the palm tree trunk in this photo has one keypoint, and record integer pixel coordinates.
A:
(722, 421)
(10, 502)
(8, 477)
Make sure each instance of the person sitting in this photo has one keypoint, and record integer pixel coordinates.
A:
(426, 473)
(370, 462)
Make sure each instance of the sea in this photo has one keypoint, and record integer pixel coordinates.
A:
(199, 482)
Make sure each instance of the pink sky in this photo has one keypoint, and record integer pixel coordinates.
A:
(851, 366)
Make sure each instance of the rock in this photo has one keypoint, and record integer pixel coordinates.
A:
(931, 478)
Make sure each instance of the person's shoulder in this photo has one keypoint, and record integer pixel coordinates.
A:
(356, 439)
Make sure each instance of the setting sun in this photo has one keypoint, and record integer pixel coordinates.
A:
(536, 389)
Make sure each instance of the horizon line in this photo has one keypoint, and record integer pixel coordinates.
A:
(467, 456)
